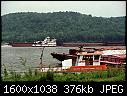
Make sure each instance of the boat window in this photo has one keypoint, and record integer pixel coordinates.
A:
(85, 57)
(96, 57)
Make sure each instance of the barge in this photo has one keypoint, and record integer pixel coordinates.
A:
(81, 62)
(47, 42)
(84, 59)
(108, 54)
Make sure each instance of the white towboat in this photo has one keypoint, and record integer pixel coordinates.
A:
(48, 42)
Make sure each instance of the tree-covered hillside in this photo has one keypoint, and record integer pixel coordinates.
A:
(64, 26)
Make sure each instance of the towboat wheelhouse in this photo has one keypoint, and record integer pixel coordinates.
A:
(88, 59)
(84, 60)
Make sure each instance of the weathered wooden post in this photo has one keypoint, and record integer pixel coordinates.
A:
(42, 57)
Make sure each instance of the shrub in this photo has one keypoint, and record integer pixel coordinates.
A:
(49, 76)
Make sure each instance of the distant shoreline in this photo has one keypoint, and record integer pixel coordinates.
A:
(91, 44)
(76, 44)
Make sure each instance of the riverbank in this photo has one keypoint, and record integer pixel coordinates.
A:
(92, 44)
(109, 75)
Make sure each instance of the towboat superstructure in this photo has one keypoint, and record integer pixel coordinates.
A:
(78, 60)
(82, 60)
(86, 58)
(47, 42)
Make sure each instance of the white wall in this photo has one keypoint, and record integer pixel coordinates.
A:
(96, 63)
(66, 64)
(111, 52)
(81, 64)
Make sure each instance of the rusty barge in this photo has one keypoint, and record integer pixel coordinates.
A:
(82, 59)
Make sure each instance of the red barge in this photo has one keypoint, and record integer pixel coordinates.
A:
(21, 44)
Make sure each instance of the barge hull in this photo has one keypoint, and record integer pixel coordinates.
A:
(21, 45)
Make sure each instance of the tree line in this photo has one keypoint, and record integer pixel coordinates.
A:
(64, 26)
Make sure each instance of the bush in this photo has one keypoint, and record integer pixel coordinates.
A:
(49, 76)
(98, 76)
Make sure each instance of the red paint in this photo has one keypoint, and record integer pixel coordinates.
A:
(78, 68)
(21, 44)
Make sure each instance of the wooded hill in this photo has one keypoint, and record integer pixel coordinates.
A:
(64, 26)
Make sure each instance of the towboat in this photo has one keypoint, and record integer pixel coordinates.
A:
(119, 53)
(47, 42)
(82, 62)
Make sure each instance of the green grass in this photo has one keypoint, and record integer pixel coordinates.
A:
(111, 74)
(97, 76)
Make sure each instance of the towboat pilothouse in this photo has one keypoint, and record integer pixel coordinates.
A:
(47, 42)
(84, 61)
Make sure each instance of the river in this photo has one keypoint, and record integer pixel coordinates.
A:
(11, 57)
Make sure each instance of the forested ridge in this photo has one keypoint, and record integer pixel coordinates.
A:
(64, 26)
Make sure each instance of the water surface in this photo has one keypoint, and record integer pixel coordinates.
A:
(11, 57)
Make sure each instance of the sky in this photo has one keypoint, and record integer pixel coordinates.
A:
(95, 8)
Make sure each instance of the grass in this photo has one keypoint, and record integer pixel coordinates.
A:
(97, 76)
(111, 74)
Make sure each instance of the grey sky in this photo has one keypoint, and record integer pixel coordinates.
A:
(95, 8)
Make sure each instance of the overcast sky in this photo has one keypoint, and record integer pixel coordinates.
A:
(95, 8)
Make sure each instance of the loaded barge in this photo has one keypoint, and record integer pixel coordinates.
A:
(47, 42)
